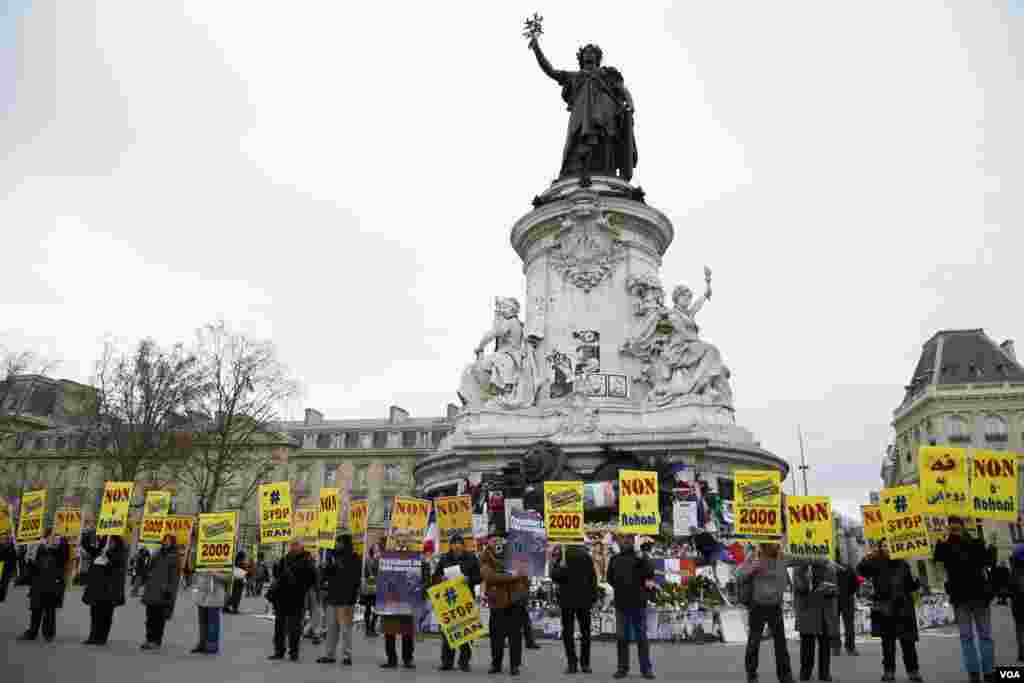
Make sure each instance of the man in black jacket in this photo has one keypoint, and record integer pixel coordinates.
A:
(846, 577)
(632, 579)
(574, 573)
(343, 577)
(967, 561)
(9, 558)
(470, 568)
(296, 574)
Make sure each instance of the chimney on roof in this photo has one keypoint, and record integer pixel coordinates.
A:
(313, 417)
(397, 415)
(1007, 347)
(453, 411)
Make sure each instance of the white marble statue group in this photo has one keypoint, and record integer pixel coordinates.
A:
(677, 365)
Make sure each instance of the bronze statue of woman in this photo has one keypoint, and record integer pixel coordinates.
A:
(600, 138)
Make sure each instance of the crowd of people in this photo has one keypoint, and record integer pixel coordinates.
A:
(323, 597)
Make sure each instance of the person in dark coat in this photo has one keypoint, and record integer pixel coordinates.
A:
(846, 577)
(815, 595)
(632, 579)
(104, 590)
(368, 591)
(295, 575)
(1001, 582)
(343, 577)
(573, 573)
(160, 592)
(470, 568)
(141, 568)
(504, 590)
(237, 586)
(892, 616)
(47, 585)
(967, 562)
(1015, 587)
(9, 560)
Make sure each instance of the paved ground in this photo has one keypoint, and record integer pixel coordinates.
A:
(246, 644)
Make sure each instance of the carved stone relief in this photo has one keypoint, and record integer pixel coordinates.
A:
(586, 251)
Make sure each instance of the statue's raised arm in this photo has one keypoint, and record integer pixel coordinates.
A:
(545, 65)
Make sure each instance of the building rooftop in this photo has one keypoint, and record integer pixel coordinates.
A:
(963, 357)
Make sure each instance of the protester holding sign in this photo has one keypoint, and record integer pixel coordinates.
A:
(47, 585)
(966, 561)
(160, 592)
(8, 563)
(211, 591)
(505, 592)
(763, 579)
(815, 593)
(343, 577)
(632, 579)
(892, 616)
(294, 576)
(104, 589)
(457, 561)
(573, 572)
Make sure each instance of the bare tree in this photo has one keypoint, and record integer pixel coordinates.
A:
(145, 398)
(247, 386)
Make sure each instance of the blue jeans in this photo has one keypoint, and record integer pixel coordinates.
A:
(209, 629)
(973, 616)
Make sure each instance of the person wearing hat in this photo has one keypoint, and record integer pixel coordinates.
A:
(343, 577)
(469, 566)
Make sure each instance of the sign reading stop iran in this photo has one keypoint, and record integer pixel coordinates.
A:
(216, 541)
(563, 511)
(758, 503)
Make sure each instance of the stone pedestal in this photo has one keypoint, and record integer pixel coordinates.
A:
(583, 249)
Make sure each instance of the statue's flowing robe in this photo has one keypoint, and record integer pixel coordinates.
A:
(595, 100)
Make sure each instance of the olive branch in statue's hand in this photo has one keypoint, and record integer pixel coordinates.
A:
(533, 28)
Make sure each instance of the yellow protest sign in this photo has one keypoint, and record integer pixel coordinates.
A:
(215, 544)
(638, 502)
(158, 504)
(5, 519)
(758, 500)
(943, 476)
(563, 511)
(30, 523)
(456, 612)
(994, 486)
(275, 512)
(455, 516)
(117, 500)
(305, 526)
(905, 528)
(180, 527)
(67, 523)
(938, 530)
(409, 519)
(328, 519)
(874, 528)
(358, 519)
(809, 527)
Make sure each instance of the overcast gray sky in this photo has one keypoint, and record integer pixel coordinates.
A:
(343, 178)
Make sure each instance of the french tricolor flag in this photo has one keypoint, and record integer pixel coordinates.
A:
(432, 539)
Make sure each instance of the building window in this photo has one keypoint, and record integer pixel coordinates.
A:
(996, 430)
(392, 473)
(330, 475)
(323, 441)
(352, 440)
(83, 475)
(361, 476)
(408, 439)
(956, 429)
(62, 443)
(387, 503)
(436, 438)
(40, 443)
(380, 439)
